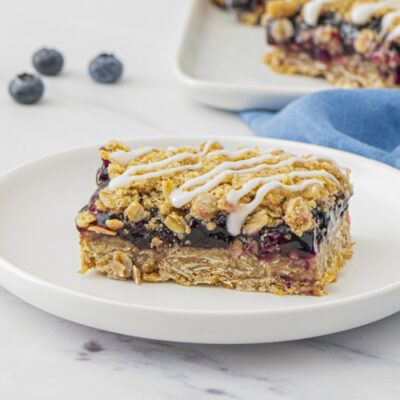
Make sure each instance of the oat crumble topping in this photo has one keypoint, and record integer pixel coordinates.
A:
(143, 195)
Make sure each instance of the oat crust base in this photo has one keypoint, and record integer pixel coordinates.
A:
(231, 268)
(352, 72)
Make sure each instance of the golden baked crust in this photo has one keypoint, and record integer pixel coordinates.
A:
(232, 268)
(350, 72)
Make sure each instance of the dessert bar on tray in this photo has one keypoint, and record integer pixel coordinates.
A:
(352, 43)
(243, 219)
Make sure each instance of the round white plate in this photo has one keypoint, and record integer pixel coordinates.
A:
(219, 63)
(40, 258)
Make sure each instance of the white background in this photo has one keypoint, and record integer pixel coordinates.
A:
(44, 357)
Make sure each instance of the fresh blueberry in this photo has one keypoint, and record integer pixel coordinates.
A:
(105, 68)
(48, 61)
(26, 88)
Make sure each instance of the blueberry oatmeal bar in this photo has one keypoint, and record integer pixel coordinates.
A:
(244, 219)
(352, 43)
(248, 11)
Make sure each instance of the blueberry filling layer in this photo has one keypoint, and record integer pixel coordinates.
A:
(265, 244)
(332, 38)
(102, 176)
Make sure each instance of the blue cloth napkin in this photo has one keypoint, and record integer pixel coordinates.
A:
(361, 121)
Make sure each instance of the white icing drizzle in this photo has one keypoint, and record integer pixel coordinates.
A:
(224, 166)
(235, 195)
(159, 164)
(236, 219)
(360, 14)
(394, 33)
(207, 147)
(124, 157)
(179, 197)
(387, 20)
(215, 176)
(129, 175)
(229, 153)
(156, 174)
(312, 10)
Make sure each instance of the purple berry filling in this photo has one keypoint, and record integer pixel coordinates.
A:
(340, 43)
(265, 244)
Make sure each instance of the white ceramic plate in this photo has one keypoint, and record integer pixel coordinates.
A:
(40, 258)
(219, 64)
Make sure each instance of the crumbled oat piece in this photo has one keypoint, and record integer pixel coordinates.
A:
(165, 208)
(176, 223)
(101, 230)
(211, 225)
(115, 170)
(228, 285)
(117, 269)
(114, 145)
(123, 258)
(148, 204)
(264, 20)
(85, 218)
(155, 242)
(236, 249)
(135, 212)
(287, 180)
(298, 215)
(167, 187)
(121, 265)
(114, 224)
(249, 17)
(323, 34)
(116, 200)
(100, 206)
(256, 222)
(282, 29)
(204, 206)
(366, 41)
(137, 275)
(281, 9)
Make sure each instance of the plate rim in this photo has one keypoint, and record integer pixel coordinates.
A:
(27, 276)
(197, 83)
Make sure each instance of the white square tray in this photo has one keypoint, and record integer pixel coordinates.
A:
(219, 64)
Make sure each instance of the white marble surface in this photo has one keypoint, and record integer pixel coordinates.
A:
(44, 357)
